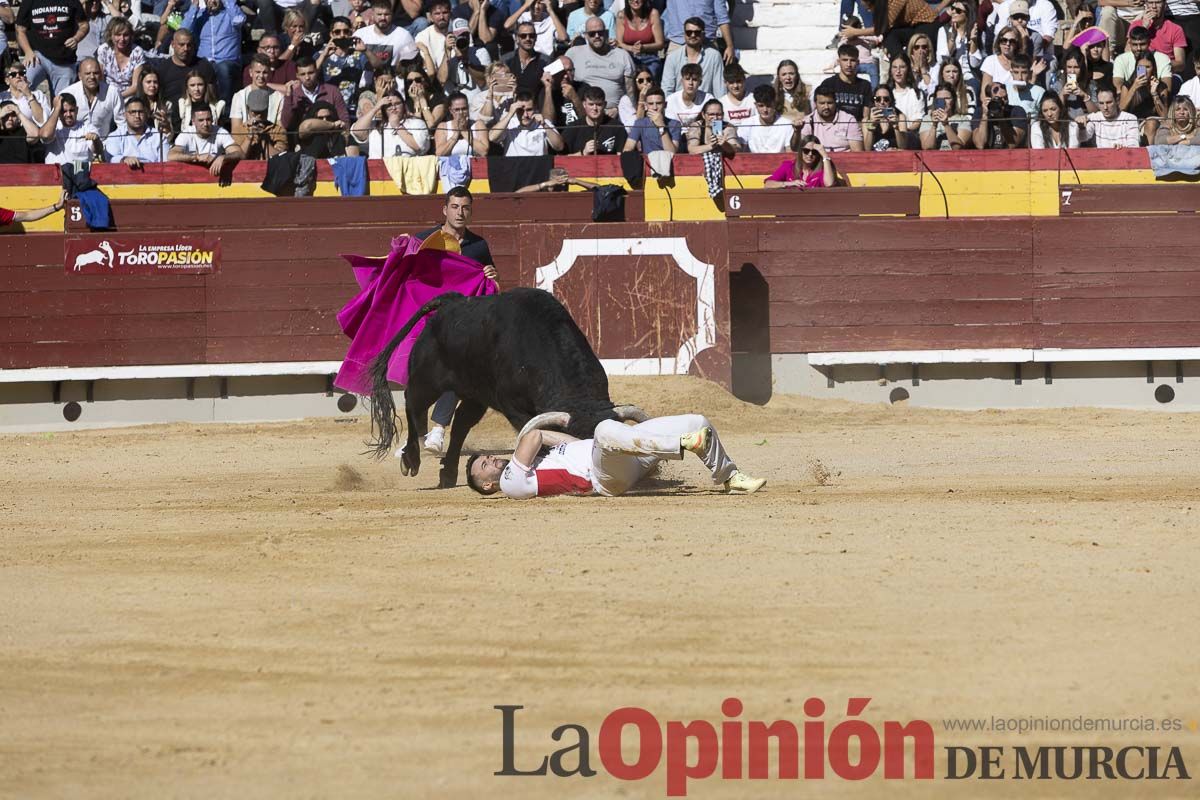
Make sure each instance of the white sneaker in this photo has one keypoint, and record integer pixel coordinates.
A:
(435, 440)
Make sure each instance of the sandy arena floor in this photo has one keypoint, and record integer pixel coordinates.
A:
(260, 611)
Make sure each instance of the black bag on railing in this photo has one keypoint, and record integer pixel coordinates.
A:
(608, 204)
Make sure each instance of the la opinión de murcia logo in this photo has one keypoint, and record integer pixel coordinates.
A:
(852, 749)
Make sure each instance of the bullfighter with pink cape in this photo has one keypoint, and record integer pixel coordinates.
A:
(392, 289)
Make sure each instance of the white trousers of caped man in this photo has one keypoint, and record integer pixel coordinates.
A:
(624, 454)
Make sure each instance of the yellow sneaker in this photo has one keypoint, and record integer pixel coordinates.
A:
(697, 441)
(741, 483)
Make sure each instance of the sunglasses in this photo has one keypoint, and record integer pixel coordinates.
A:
(692, 32)
(643, 80)
(16, 73)
(341, 32)
(526, 35)
(596, 33)
(325, 117)
(920, 47)
(1008, 41)
(957, 10)
(883, 99)
(1021, 17)
(808, 151)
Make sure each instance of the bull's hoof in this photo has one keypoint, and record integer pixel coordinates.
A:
(410, 461)
(448, 478)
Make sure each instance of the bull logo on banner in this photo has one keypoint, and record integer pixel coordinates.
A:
(142, 255)
(101, 256)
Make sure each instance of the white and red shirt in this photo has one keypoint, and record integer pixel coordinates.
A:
(563, 469)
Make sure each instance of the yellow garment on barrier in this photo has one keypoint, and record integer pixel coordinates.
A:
(413, 174)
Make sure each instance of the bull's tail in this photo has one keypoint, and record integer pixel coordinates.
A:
(384, 421)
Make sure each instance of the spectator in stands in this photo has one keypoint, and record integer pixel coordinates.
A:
(260, 68)
(920, 58)
(560, 95)
(66, 137)
(1025, 94)
(835, 129)
(1165, 36)
(766, 131)
(359, 14)
(391, 130)
(630, 109)
(594, 134)
(343, 62)
(1115, 18)
(48, 32)
(945, 127)
(303, 42)
(996, 66)
(30, 101)
(640, 33)
(1036, 24)
(1125, 65)
(907, 98)
(1001, 126)
(1053, 128)
(811, 169)
(959, 40)
(458, 135)
(1186, 14)
(217, 26)
(99, 103)
(550, 30)
(501, 88)
(1110, 127)
(965, 98)
(465, 65)
(281, 72)
(714, 19)
(1182, 125)
(206, 143)
(432, 41)
(696, 51)
(426, 101)
(386, 43)
(136, 143)
(1146, 97)
(896, 21)
(522, 131)
(884, 126)
(1078, 88)
(322, 135)
(383, 81)
(653, 130)
(17, 137)
(120, 58)
(198, 92)
(526, 63)
(592, 9)
(684, 105)
(709, 131)
(7, 18)
(148, 90)
(10, 217)
(1190, 89)
(1095, 51)
(173, 72)
(307, 90)
(790, 92)
(599, 64)
(255, 133)
(738, 105)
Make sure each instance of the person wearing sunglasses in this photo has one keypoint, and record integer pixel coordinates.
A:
(714, 19)
(997, 68)
(959, 40)
(1036, 20)
(884, 126)
(549, 30)
(811, 169)
(32, 102)
(599, 64)
(525, 62)
(640, 33)
(695, 51)
(897, 21)
(343, 62)
(592, 9)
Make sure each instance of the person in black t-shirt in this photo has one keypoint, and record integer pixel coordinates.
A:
(595, 135)
(850, 93)
(458, 214)
(48, 31)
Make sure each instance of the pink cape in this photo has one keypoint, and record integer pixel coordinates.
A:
(393, 288)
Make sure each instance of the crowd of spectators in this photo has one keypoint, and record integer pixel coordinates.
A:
(211, 82)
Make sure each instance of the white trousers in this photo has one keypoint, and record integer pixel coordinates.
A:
(624, 454)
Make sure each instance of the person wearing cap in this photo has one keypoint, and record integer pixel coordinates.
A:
(136, 143)
(465, 65)
(260, 71)
(258, 137)
(386, 43)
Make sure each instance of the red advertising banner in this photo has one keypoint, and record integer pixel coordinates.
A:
(140, 254)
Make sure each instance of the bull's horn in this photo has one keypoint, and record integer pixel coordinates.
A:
(559, 418)
(630, 413)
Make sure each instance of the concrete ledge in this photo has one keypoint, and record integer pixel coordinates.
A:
(1005, 356)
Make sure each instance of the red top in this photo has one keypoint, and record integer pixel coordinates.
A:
(6, 216)
(631, 35)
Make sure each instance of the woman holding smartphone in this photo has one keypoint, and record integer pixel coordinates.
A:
(884, 126)
(710, 132)
(1078, 88)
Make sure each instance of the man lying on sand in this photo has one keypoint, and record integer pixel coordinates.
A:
(547, 463)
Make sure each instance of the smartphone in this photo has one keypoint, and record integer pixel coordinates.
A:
(890, 113)
(554, 67)
(1072, 82)
(939, 104)
(1141, 70)
(718, 127)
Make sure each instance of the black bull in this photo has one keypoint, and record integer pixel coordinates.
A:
(518, 352)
